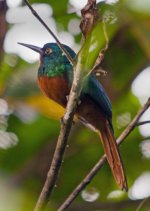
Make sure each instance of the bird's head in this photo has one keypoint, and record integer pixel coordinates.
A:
(49, 50)
(52, 59)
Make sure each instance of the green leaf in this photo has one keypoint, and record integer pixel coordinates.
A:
(93, 44)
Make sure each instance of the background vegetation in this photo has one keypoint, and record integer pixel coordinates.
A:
(30, 125)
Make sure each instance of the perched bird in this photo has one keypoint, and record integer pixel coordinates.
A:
(55, 76)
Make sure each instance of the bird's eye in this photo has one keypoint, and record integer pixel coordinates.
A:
(48, 51)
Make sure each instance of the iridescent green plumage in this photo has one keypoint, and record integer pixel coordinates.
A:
(55, 76)
(50, 66)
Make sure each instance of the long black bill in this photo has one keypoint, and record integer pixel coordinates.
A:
(34, 48)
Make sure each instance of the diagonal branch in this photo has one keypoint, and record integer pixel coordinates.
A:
(62, 140)
(143, 123)
(101, 162)
(50, 31)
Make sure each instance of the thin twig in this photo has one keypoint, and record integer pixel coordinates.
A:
(143, 123)
(50, 31)
(142, 203)
(101, 162)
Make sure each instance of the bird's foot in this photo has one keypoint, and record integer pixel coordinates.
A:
(62, 121)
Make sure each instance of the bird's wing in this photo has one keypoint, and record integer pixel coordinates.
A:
(96, 92)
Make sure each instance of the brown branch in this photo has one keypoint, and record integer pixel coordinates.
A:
(143, 123)
(50, 31)
(101, 162)
(90, 17)
(62, 141)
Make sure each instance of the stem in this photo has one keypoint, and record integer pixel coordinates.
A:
(101, 162)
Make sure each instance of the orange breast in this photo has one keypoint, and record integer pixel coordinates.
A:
(56, 88)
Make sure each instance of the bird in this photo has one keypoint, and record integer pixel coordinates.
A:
(94, 109)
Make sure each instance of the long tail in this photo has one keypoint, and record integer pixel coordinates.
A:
(113, 156)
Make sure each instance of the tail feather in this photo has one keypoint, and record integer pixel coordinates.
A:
(113, 156)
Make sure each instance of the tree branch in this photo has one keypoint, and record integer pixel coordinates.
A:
(50, 31)
(101, 162)
(143, 123)
(62, 140)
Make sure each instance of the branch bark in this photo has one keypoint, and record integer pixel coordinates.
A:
(102, 160)
(62, 140)
(90, 16)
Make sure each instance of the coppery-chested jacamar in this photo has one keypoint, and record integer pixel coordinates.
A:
(55, 76)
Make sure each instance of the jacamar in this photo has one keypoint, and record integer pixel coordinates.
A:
(55, 76)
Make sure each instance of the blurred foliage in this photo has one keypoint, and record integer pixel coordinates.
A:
(35, 119)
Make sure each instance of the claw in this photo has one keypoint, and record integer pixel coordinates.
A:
(61, 120)
(67, 97)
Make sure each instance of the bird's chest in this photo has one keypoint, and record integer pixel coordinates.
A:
(56, 88)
